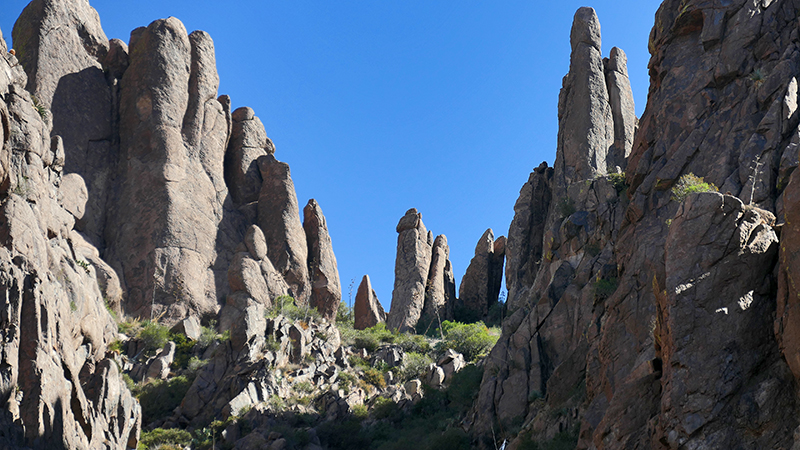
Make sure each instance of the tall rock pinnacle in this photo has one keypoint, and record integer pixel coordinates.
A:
(414, 244)
(596, 119)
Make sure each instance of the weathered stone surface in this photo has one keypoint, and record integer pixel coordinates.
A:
(256, 242)
(189, 327)
(623, 110)
(526, 235)
(62, 46)
(440, 291)
(367, 310)
(166, 222)
(326, 289)
(410, 272)
(58, 387)
(159, 367)
(586, 127)
(279, 219)
(248, 142)
(719, 260)
(481, 283)
(251, 325)
(74, 195)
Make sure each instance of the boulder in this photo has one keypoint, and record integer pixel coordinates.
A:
(391, 355)
(189, 327)
(623, 110)
(367, 310)
(159, 366)
(451, 362)
(326, 289)
(410, 273)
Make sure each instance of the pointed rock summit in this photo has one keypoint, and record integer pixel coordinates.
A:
(367, 310)
(481, 284)
(411, 272)
(326, 289)
(595, 110)
(440, 293)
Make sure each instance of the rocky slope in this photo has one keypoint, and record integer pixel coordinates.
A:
(646, 320)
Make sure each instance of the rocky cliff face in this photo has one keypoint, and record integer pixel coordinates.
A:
(646, 321)
(59, 385)
(173, 178)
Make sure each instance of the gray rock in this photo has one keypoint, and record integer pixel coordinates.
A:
(189, 327)
(410, 272)
(256, 243)
(440, 292)
(367, 310)
(326, 289)
(279, 219)
(159, 367)
(623, 110)
(586, 127)
(251, 325)
(248, 142)
(391, 355)
(480, 285)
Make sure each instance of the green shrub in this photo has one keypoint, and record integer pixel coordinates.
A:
(688, 184)
(154, 336)
(451, 439)
(344, 314)
(39, 107)
(604, 288)
(183, 350)
(372, 338)
(415, 343)
(304, 387)
(618, 181)
(360, 412)
(415, 365)
(159, 398)
(160, 437)
(195, 364)
(566, 207)
(346, 381)
(375, 377)
(470, 339)
(286, 306)
(115, 346)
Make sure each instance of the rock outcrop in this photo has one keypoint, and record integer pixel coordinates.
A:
(367, 310)
(326, 289)
(595, 108)
(279, 219)
(480, 285)
(440, 291)
(58, 384)
(648, 318)
(414, 245)
(248, 142)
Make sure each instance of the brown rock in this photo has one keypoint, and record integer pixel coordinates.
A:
(623, 110)
(279, 219)
(526, 235)
(367, 310)
(326, 290)
(410, 272)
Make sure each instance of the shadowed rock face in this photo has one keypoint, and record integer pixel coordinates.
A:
(326, 290)
(440, 293)
(63, 49)
(367, 310)
(480, 285)
(623, 318)
(58, 386)
(411, 272)
(279, 219)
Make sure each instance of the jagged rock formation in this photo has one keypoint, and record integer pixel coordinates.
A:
(440, 291)
(413, 262)
(480, 285)
(173, 178)
(326, 289)
(596, 130)
(526, 235)
(58, 385)
(279, 218)
(367, 310)
(649, 319)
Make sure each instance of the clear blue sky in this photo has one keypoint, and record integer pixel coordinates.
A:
(380, 106)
